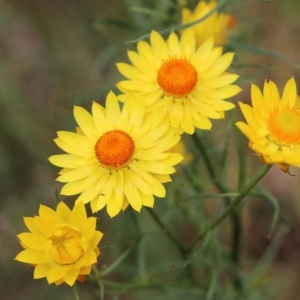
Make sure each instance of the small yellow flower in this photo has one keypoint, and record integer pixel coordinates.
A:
(189, 84)
(117, 157)
(61, 244)
(273, 127)
(216, 25)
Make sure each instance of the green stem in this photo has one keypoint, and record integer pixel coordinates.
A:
(124, 286)
(208, 164)
(161, 224)
(234, 215)
(75, 291)
(236, 201)
(241, 182)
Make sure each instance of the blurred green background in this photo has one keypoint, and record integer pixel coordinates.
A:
(60, 53)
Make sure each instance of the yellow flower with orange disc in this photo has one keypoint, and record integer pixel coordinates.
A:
(273, 124)
(117, 156)
(190, 84)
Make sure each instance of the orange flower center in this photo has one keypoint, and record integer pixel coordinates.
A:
(66, 248)
(177, 77)
(115, 149)
(284, 126)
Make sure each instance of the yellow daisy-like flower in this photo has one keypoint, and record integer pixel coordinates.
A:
(189, 84)
(216, 25)
(61, 244)
(119, 157)
(273, 127)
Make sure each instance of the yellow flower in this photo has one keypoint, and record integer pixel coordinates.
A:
(61, 244)
(119, 157)
(189, 84)
(216, 25)
(273, 127)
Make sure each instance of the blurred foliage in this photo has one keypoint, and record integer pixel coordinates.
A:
(57, 54)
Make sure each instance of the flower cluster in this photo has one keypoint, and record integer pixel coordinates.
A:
(119, 157)
(121, 154)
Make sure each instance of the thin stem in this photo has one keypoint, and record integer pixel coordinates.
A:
(161, 224)
(234, 215)
(208, 164)
(241, 182)
(236, 201)
(75, 291)
(123, 286)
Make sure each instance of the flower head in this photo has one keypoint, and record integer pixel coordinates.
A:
(216, 25)
(118, 157)
(273, 124)
(61, 244)
(189, 84)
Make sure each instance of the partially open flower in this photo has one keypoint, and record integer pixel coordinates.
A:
(61, 244)
(273, 124)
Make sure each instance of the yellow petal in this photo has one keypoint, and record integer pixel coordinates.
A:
(187, 122)
(85, 121)
(289, 94)
(99, 116)
(132, 194)
(188, 43)
(112, 108)
(88, 229)
(220, 65)
(41, 271)
(78, 215)
(271, 96)
(173, 45)
(79, 149)
(220, 81)
(248, 114)
(156, 167)
(147, 200)
(33, 241)
(31, 257)
(245, 129)
(79, 173)
(113, 207)
(30, 223)
(139, 182)
(71, 277)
